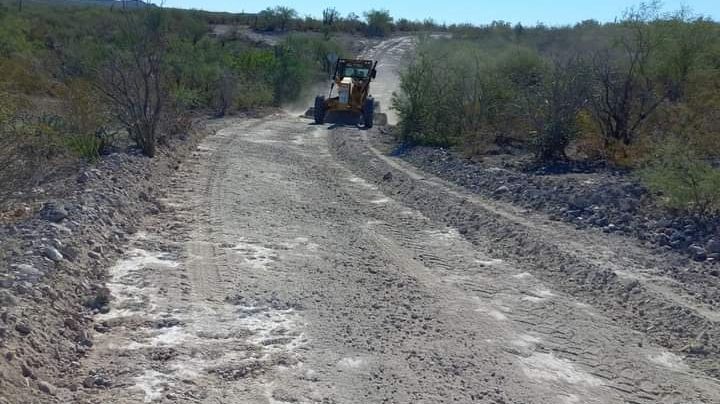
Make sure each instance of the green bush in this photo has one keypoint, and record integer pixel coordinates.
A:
(616, 87)
(553, 104)
(298, 62)
(457, 93)
(379, 23)
(684, 180)
(86, 146)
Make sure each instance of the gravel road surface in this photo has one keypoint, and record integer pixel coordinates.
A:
(284, 271)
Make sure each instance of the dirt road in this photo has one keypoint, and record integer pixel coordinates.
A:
(279, 273)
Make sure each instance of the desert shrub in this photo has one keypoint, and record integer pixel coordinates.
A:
(83, 109)
(553, 102)
(625, 95)
(86, 146)
(13, 34)
(20, 74)
(32, 147)
(456, 93)
(684, 43)
(277, 18)
(253, 94)
(683, 178)
(226, 92)
(131, 78)
(600, 91)
(423, 103)
(84, 120)
(185, 98)
(379, 23)
(298, 61)
(254, 68)
(589, 142)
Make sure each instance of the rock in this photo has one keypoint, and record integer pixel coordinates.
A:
(284, 396)
(602, 221)
(71, 253)
(388, 176)
(25, 271)
(72, 324)
(7, 299)
(53, 254)
(22, 328)
(83, 177)
(579, 203)
(100, 300)
(53, 212)
(677, 236)
(713, 246)
(26, 371)
(625, 219)
(96, 381)
(632, 285)
(89, 382)
(501, 190)
(662, 239)
(698, 253)
(46, 387)
(627, 205)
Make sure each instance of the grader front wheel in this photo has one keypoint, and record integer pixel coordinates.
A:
(368, 112)
(320, 110)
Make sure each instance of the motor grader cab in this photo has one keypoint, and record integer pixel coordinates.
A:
(351, 81)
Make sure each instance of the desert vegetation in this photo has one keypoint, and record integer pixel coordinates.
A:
(78, 82)
(639, 93)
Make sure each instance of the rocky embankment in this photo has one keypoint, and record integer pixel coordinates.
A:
(53, 268)
(612, 201)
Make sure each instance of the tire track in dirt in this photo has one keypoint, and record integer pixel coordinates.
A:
(522, 240)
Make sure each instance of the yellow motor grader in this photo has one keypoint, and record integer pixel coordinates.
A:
(352, 80)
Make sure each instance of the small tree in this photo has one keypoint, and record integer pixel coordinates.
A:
(685, 40)
(351, 23)
(278, 18)
(285, 15)
(553, 105)
(625, 96)
(131, 79)
(330, 16)
(379, 22)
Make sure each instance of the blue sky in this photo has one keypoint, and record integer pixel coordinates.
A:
(551, 12)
